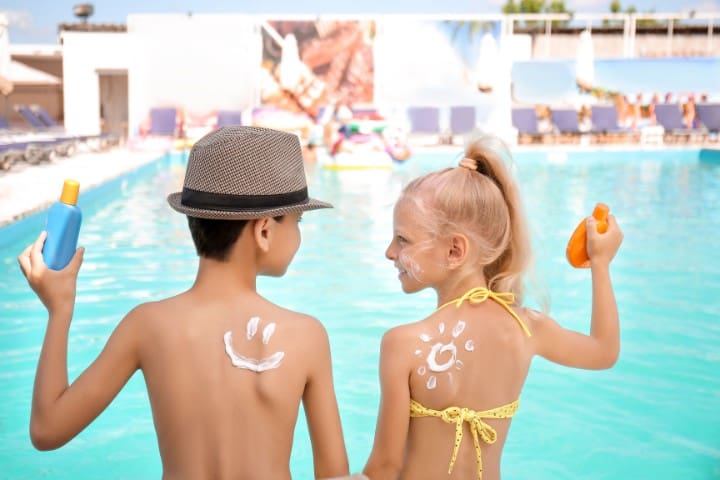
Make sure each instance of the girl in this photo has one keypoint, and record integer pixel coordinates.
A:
(450, 382)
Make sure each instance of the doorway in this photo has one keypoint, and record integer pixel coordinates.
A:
(114, 102)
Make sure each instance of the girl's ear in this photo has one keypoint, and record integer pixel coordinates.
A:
(262, 233)
(457, 251)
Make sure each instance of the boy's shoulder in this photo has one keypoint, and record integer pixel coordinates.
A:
(303, 320)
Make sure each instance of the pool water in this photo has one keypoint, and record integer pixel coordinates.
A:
(653, 416)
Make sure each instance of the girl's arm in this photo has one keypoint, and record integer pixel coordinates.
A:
(321, 410)
(61, 411)
(601, 348)
(387, 456)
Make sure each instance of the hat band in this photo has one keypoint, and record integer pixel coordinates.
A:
(236, 203)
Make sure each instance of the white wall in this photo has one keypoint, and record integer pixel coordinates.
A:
(83, 55)
(415, 64)
(201, 63)
(4, 46)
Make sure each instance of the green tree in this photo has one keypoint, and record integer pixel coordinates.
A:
(558, 6)
(511, 7)
(532, 6)
(536, 6)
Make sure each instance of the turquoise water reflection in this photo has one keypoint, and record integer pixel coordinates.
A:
(652, 416)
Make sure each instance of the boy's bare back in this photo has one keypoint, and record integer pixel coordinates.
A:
(215, 419)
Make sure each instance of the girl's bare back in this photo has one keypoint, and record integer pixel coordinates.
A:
(474, 357)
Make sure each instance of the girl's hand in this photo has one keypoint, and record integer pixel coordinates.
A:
(56, 289)
(602, 247)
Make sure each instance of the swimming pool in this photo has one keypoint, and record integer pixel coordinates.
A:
(654, 416)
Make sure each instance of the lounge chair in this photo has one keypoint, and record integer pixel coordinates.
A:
(163, 121)
(50, 133)
(4, 125)
(709, 116)
(525, 120)
(566, 122)
(30, 117)
(462, 119)
(32, 149)
(605, 122)
(228, 118)
(669, 116)
(44, 116)
(10, 154)
(425, 122)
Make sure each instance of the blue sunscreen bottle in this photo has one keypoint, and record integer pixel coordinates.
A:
(63, 227)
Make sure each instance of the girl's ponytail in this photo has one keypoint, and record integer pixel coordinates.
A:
(505, 273)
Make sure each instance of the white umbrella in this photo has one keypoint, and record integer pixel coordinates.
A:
(585, 62)
(291, 67)
(489, 66)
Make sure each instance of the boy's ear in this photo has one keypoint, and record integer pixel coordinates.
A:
(262, 233)
(457, 250)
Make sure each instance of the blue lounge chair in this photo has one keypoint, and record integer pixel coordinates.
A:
(709, 116)
(44, 116)
(462, 119)
(424, 123)
(566, 122)
(525, 120)
(228, 118)
(10, 154)
(669, 116)
(163, 121)
(4, 125)
(30, 117)
(605, 121)
(424, 120)
(54, 135)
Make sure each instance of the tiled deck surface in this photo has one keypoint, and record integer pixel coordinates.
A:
(26, 189)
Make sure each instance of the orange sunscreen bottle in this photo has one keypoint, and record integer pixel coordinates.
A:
(577, 246)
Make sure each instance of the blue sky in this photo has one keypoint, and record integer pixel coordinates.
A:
(35, 21)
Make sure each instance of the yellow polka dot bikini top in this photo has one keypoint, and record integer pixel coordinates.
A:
(478, 428)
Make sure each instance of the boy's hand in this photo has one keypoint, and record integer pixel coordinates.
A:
(56, 289)
(602, 247)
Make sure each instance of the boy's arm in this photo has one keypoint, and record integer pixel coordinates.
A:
(59, 412)
(601, 348)
(388, 453)
(321, 410)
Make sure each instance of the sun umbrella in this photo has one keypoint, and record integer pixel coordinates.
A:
(585, 62)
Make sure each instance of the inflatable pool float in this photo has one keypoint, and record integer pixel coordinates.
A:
(358, 152)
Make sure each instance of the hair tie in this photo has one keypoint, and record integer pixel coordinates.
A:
(474, 165)
(469, 163)
(481, 168)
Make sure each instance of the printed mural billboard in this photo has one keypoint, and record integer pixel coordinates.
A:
(308, 64)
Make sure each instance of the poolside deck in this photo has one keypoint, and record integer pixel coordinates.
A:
(27, 189)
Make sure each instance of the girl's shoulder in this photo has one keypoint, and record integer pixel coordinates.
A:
(404, 337)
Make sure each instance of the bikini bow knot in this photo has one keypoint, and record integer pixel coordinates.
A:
(480, 294)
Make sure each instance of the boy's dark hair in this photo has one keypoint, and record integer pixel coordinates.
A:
(214, 238)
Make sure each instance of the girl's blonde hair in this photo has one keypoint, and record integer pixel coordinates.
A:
(485, 206)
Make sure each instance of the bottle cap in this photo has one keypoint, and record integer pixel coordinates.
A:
(70, 191)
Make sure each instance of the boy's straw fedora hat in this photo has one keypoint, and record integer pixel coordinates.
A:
(242, 173)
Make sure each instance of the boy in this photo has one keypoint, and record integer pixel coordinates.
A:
(225, 368)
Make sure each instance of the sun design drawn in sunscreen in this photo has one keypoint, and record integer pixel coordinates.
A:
(240, 361)
(442, 357)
